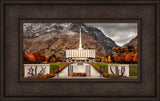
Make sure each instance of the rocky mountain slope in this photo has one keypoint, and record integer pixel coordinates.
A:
(133, 41)
(55, 38)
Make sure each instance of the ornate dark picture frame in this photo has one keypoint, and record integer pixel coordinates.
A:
(21, 21)
(146, 13)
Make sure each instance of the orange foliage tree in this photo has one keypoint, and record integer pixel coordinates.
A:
(105, 59)
(25, 57)
(47, 59)
(129, 57)
(31, 58)
(97, 57)
(117, 58)
(39, 56)
(126, 57)
(135, 57)
(52, 59)
(58, 58)
(125, 54)
(102, 59)
(109, 59)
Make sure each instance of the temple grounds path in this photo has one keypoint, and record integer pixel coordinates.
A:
(79, 69)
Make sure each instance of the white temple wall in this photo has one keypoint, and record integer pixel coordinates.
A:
(36, 69)
(80, 53)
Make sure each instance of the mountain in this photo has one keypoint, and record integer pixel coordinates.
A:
(55, 38)
(133, 41)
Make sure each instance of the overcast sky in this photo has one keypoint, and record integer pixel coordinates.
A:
(121, 33)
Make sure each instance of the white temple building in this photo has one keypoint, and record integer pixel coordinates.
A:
(80, 54)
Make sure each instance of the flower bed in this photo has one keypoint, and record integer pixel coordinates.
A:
(41, 76)
(78, 74)
(105, 74)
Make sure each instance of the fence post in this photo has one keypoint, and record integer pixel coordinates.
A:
(70, 70)
(88, 71)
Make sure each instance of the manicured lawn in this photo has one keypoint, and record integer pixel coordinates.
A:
(55, 66)
(104, 66)
(133, 77)
(132, 69)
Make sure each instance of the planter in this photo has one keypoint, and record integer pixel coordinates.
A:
(78, 74)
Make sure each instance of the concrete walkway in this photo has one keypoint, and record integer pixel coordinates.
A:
(79, 69)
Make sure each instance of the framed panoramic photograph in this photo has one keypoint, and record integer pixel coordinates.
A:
(82, 50)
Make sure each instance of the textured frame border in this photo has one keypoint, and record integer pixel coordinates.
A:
(155, 3)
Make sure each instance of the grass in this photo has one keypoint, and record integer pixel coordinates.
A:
(103, 65)
(132, 69)
(133, 77)
(55, 66)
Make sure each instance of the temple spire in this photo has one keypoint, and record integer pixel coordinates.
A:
(80, 41)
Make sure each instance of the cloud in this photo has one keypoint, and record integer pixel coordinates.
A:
(121, 33)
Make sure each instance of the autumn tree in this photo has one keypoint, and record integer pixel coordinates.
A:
(117, 58)
(97, 57)
(105, 59)
(129, 57)
(39, 56)
(31, 58)
(25, 57)
(52, 59)
(109, 59)
(47, 59)
(131, 48)
(102, 59)
(135, 57)
(111, 56)
(58, 58)
(123, 55)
